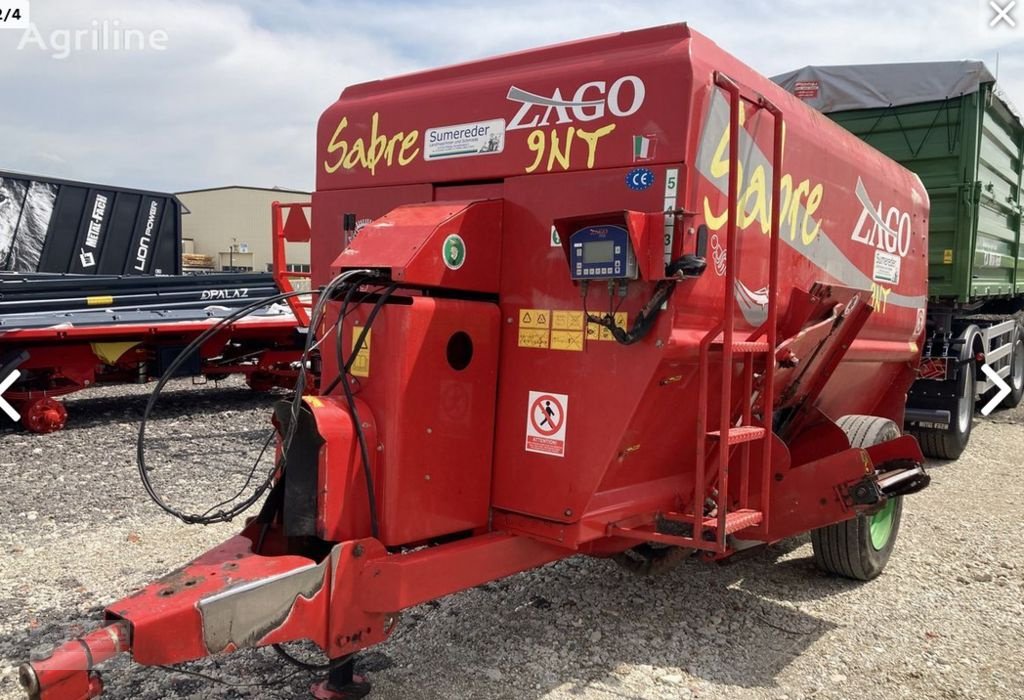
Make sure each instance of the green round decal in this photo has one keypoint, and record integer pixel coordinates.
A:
(454, 251)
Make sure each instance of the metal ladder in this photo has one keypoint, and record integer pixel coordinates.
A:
(738, 427)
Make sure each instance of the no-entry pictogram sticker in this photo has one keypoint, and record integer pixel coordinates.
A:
(546, 415)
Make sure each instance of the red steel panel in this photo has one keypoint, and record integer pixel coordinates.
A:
(328, 219)
(452, 245)
(434, 422)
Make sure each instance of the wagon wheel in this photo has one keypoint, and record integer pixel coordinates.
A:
(860, 548)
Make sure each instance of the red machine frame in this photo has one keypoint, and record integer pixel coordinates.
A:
(290, 227)
(64, 359)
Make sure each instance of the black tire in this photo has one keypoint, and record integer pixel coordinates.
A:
(1016, 378)
(847, 548)
(950, 443)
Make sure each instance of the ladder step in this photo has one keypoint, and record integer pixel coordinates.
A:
(735, 436)
(734, 522)
(752, 347)
(738, 520)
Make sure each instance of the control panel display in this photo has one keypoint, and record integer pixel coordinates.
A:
(601, 253)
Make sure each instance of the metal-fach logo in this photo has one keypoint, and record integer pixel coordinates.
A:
(100, 36)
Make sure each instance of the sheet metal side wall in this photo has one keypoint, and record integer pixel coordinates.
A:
(968, 153)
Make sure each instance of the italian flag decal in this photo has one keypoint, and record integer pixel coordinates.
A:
(643, 148)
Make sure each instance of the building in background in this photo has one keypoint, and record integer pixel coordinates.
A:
(228, 228)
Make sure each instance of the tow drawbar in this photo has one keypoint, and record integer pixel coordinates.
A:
(68, 672)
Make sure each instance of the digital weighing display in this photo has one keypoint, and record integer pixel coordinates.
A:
(598, 252)
(601, 252)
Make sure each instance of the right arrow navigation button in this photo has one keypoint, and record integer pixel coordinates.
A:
(1004, 389)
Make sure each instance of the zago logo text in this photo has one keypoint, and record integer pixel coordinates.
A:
(591, 101)
(887, 230)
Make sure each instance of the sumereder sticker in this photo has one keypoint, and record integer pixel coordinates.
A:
(462, 140)
(886, 268)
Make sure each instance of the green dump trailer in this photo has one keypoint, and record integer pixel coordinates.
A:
(950, 123)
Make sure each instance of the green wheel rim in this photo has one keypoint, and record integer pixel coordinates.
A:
(881, 525)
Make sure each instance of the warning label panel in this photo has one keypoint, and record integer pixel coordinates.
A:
(546, 416)
(596, 332)
(361, 365)
(567, 330)
(562, 329)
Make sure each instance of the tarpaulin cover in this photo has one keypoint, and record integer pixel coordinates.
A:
(840, 88)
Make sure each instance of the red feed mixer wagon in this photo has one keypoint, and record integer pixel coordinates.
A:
(599, 298)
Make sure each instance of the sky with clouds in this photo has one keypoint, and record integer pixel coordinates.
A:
(234, 95)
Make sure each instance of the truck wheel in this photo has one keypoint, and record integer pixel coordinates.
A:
(950, 443)
(860, 548)
(1016, 378)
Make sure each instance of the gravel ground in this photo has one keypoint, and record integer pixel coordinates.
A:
(946, 619)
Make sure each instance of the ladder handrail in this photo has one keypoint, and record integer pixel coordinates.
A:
(772, 321)
(728, 313)
(726, 331)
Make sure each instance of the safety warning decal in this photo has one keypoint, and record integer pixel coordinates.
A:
(567, 330)
(361, 365)
(533, 328)
(596, 332)
(546, 416)
(558, 329)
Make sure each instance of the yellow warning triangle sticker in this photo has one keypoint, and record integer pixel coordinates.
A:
(526, 318)
(542, 320)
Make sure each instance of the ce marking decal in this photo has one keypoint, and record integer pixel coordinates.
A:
(639, 179)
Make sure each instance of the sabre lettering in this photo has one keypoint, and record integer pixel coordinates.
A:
(368, 153)
(799, 201)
